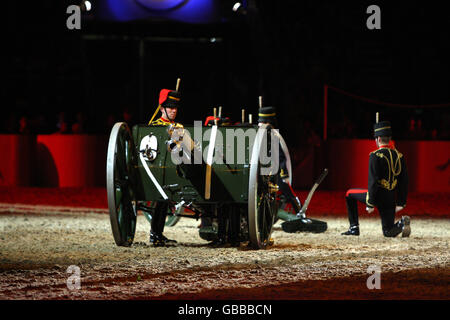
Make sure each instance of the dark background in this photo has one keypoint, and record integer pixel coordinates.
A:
(283, 50)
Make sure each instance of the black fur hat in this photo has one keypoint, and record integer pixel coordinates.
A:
(382, 129)
(267, 114)
(169, 98)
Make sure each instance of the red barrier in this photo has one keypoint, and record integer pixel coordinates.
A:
(427, 162)
(72, 160)
(80, 161)
(18, 155)
(348, 163)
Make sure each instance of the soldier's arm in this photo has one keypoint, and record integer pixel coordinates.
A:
(284, 173)
(373, 178)
(403, 181)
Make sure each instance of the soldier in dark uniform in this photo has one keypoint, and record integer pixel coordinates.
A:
(169, 101)
(268, 115)
(387, 187)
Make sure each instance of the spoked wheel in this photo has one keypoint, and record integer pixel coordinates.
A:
(262, 206)
(119, 184)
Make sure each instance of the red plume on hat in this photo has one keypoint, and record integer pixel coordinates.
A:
(163, 95)
(169, 98)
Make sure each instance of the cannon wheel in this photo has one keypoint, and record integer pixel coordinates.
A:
(119, 184)
(261, 201)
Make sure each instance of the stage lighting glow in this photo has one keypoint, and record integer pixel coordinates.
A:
(190, 11)
(88, 5)
(236, 6)
(161, 5)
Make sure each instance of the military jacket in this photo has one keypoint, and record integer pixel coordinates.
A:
(163, 122)
(388, 177)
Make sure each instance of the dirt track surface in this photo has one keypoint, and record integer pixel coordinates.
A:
(36, 250)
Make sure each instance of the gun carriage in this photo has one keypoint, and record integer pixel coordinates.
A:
(235, 193)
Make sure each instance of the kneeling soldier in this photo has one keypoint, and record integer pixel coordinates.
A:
(387, 187)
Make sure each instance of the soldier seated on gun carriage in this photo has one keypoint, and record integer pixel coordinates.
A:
(143, 167)
(169, 101)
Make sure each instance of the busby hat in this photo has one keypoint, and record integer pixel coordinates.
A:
(169, 98)
(267, 114)
(382, 129)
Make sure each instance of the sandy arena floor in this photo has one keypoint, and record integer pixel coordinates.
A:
(36, 250)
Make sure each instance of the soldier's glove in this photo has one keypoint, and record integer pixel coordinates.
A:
(284, 175)
(398, 208)
(369, 210)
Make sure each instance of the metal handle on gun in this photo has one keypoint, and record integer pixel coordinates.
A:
(302, 212)
(209, 158)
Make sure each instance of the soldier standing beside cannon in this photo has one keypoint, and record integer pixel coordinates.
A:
(299, 222)
(388, 178)
(268, 115)
(169, 101)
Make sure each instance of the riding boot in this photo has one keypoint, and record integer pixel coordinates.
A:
(352, 231)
